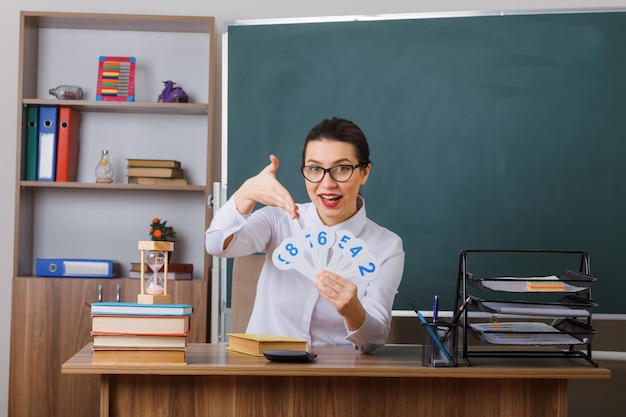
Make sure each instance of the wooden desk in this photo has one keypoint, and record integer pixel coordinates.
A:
(341, 382)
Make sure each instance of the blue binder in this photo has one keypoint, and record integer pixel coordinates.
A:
(46, 166)
(86, 268)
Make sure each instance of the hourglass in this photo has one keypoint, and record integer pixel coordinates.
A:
(155, 260)
(155, 255)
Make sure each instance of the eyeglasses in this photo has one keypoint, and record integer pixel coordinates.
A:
(339, 173)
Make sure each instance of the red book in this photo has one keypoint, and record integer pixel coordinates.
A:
(67, 144)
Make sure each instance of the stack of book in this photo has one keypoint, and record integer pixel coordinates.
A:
(175, 271)
(155, 171)
(139, 333)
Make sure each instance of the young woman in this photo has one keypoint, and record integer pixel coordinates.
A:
(333, 309)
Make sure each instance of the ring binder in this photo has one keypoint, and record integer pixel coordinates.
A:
(85, 268)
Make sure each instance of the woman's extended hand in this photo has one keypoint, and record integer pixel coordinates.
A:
(342, 294)
(264, 188)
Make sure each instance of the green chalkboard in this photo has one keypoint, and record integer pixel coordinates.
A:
(486, 132)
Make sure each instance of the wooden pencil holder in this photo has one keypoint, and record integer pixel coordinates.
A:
(155, 254)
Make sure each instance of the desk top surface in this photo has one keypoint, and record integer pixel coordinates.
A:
(388, 361)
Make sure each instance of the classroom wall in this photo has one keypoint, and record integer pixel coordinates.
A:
(223, 11)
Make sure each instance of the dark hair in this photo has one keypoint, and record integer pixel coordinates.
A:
(341, 130)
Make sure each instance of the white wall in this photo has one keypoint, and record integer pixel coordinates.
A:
(223, 11)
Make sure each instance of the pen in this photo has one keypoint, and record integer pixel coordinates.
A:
(432, 334)
(457, 316)
(435, 313)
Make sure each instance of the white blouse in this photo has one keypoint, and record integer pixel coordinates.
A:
(286, 302)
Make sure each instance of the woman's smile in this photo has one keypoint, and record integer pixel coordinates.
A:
(330, 200)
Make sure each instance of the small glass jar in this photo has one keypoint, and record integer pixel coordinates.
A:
(104, 169)
(67, 92)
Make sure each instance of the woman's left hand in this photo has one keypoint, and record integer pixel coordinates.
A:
(342, 294)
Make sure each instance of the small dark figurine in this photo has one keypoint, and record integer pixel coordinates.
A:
(171, 94)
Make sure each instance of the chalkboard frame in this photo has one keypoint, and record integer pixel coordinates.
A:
(575, 234)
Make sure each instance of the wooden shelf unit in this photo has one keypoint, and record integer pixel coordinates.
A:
(83, 219)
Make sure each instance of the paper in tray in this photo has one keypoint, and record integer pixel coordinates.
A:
(568, 306)
(572, 282)
(565, 332)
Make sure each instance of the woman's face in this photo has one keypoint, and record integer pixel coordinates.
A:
(335, 201)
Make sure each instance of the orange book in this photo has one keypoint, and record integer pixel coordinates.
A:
(138, 356)
(67, 144)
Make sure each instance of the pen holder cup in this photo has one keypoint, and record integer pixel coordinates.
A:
(440, 345)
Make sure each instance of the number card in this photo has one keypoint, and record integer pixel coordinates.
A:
(321, 248)
(290, 255)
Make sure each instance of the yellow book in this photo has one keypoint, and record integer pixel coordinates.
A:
(154, 172)
(157, 181)
(255, 344)
(165, 163)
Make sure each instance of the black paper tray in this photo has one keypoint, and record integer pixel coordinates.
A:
(572, 282)
(568, 306)
(564, 332)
